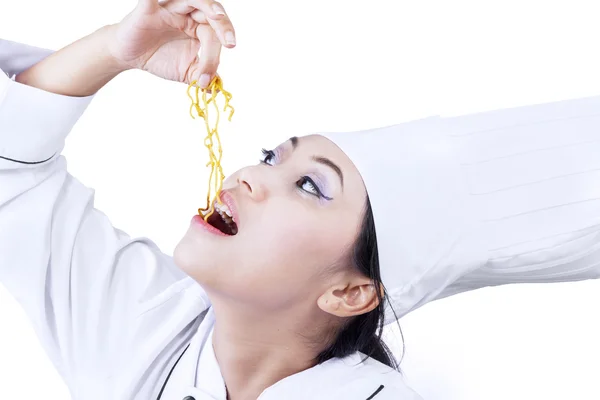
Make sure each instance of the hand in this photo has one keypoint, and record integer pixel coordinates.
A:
(164, 38)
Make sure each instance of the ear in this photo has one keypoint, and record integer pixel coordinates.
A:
(356, 297)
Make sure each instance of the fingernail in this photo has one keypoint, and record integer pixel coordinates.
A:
(204, 80)
(218, 10)
(230, 37)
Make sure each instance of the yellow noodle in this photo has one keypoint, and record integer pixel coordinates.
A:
(215, 181)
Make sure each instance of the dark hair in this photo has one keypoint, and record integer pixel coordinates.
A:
(363, 333)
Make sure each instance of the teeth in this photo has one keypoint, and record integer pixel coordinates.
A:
(223, 209)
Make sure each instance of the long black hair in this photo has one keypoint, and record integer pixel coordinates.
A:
(363, 333)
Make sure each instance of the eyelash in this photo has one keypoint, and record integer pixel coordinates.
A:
(269, 155)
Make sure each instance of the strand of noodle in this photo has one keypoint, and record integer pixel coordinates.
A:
(216, 177)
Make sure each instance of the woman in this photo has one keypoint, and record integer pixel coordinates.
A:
(292, 315)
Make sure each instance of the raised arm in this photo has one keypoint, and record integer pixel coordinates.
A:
(533, 179)
(90, 290)
(43, 210)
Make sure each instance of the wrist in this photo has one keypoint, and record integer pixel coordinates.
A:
(107, 36)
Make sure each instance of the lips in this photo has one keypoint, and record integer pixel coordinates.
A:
(227, 198)
(198, 221)
(217, 222)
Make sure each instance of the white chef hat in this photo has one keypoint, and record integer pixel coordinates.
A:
(416, 193)
(435, 184)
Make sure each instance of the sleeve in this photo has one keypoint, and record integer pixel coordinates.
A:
(79, 280)
(533, 177)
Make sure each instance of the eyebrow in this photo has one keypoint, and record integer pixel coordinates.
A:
(322, 160)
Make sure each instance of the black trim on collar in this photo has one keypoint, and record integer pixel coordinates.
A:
(379, 389)
(170, 372)
(27, 162)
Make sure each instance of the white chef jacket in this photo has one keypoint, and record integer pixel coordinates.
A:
(118, 319)
(113, 312)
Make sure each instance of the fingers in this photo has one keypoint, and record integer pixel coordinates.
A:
(210, 53)
(205, 12)
(223, 28)
(210, 8)
(213, 13)
(212, 27)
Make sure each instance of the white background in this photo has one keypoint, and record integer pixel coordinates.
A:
(302, 67)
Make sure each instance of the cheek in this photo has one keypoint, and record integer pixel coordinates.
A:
(300, 244)
(282, 263)
(276, 261)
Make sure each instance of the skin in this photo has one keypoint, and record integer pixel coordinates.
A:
(281, 286)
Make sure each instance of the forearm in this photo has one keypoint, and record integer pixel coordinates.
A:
(79, 69)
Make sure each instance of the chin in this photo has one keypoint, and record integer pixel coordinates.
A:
(187, 255)
(197, 260)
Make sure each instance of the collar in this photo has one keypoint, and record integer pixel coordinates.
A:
(198, 375)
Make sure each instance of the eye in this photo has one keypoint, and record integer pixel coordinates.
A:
(309, 186)
(268, 157)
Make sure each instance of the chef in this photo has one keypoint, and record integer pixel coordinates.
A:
(457, 203)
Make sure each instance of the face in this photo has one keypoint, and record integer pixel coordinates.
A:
(297, 212)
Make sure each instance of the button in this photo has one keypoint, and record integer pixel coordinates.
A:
(188, 398)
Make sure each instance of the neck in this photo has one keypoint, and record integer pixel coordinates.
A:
(254, 350)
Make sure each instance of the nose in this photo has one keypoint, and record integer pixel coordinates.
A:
(251, 185)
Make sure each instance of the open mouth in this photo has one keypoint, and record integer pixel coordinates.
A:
(222, 219)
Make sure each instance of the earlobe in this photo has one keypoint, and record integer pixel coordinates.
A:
(327, 302)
